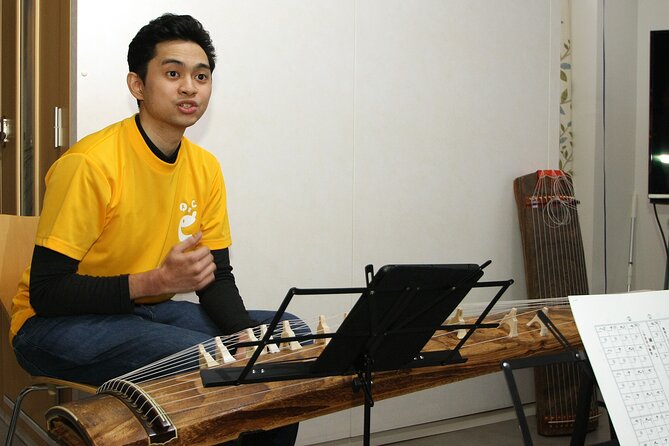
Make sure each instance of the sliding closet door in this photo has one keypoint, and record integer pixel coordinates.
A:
(35, 98)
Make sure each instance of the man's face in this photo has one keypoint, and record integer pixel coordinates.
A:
(177, 87)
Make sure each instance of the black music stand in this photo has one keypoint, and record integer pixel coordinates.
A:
(585, 393)
(395, 316)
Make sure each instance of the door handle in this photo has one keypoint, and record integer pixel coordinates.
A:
(6, 130)
(58, 127)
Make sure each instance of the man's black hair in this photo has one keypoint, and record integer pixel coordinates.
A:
(167, 27)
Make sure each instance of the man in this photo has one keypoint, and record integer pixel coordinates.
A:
(132, 215)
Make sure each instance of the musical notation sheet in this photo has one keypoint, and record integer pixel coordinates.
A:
(626, 338)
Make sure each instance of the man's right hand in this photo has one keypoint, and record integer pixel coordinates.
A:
(187, 267)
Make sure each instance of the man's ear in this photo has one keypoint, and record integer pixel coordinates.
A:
(136, 86)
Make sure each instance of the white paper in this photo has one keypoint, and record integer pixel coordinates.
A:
(626, 338)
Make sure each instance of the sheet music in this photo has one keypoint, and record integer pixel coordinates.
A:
(626, 338)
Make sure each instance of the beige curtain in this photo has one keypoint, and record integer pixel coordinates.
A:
(566, 132)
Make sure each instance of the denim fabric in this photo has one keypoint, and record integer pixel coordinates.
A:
(95, 348)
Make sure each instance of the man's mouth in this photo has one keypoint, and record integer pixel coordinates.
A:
(187, 107)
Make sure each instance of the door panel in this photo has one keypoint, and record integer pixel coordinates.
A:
(8, 106)
(26, 116)
(35, 80)
(52, 87)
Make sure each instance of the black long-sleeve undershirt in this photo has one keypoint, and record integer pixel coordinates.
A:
(221, 300)
(57, 290)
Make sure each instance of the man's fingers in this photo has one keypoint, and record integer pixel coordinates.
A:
(189, 242)
(189, 266)
(201, 254)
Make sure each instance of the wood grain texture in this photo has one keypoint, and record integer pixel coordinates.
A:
(554, 267)
(207, 416)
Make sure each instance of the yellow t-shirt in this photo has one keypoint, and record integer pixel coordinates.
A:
(114, 206)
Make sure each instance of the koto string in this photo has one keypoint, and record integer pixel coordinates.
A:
(184, 362)
(556, 220)
(246, 395)
(222, 389)
(187, 360)
(150, 372)
(550, 224)
(264, 391)
(560, 268)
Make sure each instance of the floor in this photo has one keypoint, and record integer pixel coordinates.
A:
(498, 434)
(3, 434)
(505, 433)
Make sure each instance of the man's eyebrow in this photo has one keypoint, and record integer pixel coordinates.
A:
(179, 62)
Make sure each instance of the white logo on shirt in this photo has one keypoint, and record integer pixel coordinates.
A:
(187, 220)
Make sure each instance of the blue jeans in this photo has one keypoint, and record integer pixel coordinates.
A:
(95, 348)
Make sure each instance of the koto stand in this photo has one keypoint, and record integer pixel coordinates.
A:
(585, 394)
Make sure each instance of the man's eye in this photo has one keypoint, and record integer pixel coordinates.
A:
(202, 77)
(172, 74)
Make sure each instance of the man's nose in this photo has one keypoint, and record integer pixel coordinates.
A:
(188, 86)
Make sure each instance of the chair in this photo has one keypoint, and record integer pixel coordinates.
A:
(17, 238)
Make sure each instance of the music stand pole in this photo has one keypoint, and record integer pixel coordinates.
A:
(364, 382)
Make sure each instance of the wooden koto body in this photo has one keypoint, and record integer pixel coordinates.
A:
(554, 268)
(553, 247)
(207, 416)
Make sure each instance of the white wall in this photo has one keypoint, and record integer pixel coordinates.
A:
(620, 19)
(649, 253)
(586, 28)
(356, 132)
(612, 165)
(604, 37)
